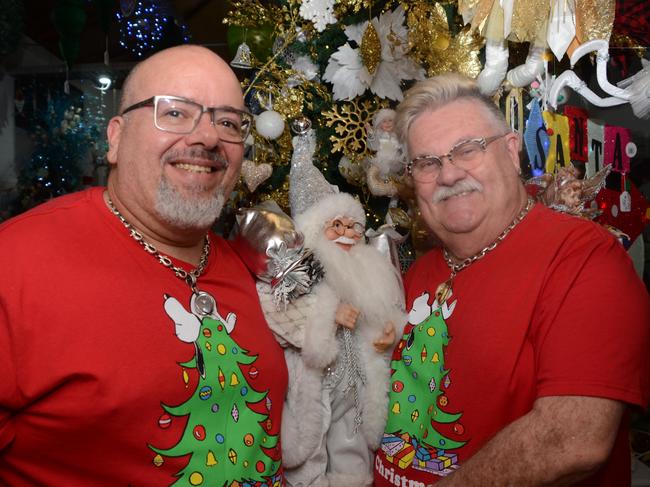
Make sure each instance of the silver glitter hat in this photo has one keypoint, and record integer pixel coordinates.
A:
(307, 185)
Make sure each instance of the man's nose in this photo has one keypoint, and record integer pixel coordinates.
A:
(449, 172)
(206, 132)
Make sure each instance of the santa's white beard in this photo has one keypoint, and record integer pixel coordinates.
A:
(361, 277)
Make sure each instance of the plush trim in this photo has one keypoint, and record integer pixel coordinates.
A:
(320, 347)
(312, 221)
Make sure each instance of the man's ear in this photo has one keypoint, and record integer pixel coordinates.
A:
(513, 146)
(113, 134)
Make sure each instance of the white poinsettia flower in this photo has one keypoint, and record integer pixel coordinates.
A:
(319, 12)
(351, 78)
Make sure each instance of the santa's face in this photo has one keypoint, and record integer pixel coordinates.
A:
(344, 232)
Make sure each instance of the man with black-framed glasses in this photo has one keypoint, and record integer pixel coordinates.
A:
(133, 348)
(528, 338)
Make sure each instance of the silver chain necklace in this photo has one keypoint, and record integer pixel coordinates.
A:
(443, 291)
(202, 302)
(189, 277)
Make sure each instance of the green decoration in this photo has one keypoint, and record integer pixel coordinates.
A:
(413, 412)
(69, 18)
(223, 396)
(259, 39)
(63, 133)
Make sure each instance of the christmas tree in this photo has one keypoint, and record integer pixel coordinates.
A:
(227, 430)
(413, 412)
(333, 66)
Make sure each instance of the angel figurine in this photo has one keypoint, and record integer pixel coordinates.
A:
(387, 164)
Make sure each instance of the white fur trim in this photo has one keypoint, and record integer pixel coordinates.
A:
(320, 347)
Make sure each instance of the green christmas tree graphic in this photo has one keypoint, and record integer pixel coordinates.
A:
(229, 442)
(412, 409)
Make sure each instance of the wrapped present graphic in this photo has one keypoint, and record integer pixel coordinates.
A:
(390, 445)
(404, 457)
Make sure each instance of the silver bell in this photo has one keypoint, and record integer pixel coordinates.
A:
(243, 57)
(300, 125)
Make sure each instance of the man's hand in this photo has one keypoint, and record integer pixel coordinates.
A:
(387, 338)
(346, 315)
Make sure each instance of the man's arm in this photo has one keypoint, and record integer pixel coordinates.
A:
(561, 441)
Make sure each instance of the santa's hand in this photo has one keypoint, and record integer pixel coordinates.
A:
(387, 338)
(346, 315)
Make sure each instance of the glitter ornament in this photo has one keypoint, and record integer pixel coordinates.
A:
(255, 174)
(243, 57)
(370, 49)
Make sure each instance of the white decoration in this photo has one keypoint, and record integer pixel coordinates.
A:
(306, 66)
(269, 124)
(319, 12)
(351, 78)
(630, 149)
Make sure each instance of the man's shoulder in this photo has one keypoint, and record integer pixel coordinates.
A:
(561, 226)
(52, 215)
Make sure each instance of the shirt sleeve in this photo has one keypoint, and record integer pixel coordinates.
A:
(8, 391)
(591, 330)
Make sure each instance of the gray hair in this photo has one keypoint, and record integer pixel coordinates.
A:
(436, 92)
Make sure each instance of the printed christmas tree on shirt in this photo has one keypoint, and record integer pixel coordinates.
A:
(229, 441)
(411, 437)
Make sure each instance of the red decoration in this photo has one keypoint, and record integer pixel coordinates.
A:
(578, 141)
(633, 222)
(616, 139)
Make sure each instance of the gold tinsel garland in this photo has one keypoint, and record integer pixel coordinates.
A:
(433, 46)
(251, 13)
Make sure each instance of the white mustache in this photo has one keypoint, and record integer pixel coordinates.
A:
(462, 186)
(345, 240)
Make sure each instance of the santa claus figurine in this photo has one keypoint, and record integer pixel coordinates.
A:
(337, 338)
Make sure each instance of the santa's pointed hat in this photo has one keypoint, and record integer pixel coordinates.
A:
(313, 200)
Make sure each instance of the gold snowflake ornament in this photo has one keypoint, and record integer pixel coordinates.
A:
(349, 122)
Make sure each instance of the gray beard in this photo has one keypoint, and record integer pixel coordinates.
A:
(362, 277)
(191, 211)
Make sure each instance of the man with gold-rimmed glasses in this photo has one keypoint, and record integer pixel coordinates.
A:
(133, 348)
(528, 329)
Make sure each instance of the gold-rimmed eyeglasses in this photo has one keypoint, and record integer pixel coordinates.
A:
(340, 228)
(181, 116)
(466, 154)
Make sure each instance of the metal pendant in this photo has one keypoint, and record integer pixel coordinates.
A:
(443, 291)
(203, 303)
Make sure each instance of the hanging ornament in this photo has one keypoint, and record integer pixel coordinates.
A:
(300, 125)
(370, 49)
(255, 174)
(269, 124)
(69, 18)
(243, 57)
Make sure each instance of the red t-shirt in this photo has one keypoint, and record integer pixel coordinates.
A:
(555, 309)
(98, 389)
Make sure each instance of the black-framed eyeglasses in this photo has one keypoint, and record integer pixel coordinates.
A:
(340, 228)
(466, 154)
(179, 115)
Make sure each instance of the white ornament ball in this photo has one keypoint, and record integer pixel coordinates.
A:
(269, 124)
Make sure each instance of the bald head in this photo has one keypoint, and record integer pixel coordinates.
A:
(178, 65)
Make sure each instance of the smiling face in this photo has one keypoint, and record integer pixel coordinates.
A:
(342, 232)
(179, 180)
(467, 209)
